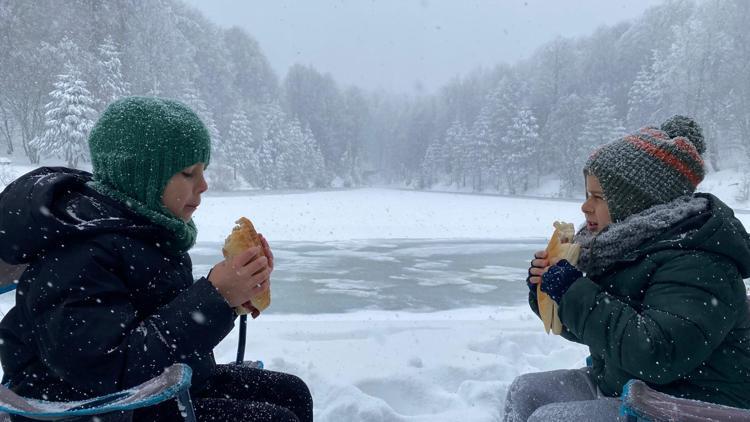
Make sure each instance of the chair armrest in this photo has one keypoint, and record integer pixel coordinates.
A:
(643, 402)
(172, 381)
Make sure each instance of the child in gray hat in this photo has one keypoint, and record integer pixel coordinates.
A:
(658, 292)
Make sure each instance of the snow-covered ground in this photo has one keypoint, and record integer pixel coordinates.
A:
(399, 305)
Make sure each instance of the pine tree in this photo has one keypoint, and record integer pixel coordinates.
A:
(315, 168)
(699, 78)
(433, 163)
(561, 132)
(291, 155)
(192, 98)
(493, 122)
(522, 139)
(480, 149)
(646, 97)
(239, 146)
(111, 83)
(69, 118)
(600, 126)
(455, 140)
(271, 146)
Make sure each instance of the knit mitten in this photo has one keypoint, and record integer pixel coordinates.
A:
(558, 279)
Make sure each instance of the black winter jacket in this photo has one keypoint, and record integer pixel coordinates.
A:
(103, 305)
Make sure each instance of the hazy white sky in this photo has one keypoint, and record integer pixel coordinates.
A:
(399, 45)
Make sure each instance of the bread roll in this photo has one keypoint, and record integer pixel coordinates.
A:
(242, 238)
(561, 247)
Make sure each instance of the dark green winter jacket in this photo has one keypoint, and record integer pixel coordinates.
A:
(672, 313)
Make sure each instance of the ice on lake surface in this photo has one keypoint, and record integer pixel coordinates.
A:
(408, 275)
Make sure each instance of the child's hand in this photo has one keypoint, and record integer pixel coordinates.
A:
(242, 277)
(267, 251)
(539, 265)
(254, 312)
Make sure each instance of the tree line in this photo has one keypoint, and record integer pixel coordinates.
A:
(502, 129)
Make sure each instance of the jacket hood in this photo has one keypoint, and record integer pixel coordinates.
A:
(50, 206)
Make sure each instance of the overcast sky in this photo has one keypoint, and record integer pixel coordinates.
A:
(405, 45)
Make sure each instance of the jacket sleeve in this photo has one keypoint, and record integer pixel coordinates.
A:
(88, 331)
(566, 333)
(691, 303)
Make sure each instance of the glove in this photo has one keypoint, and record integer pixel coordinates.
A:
(558, 279)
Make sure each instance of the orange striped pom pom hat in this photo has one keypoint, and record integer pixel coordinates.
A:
(650, 167)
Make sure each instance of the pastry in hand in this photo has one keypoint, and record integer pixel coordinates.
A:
(242, 238)
(559, 247)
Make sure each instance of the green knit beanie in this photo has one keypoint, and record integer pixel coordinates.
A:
(137, 145)
(650, 167)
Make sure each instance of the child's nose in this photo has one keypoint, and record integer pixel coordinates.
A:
(202, 185)
(586, 207)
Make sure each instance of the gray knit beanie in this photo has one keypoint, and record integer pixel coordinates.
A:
(652, 166)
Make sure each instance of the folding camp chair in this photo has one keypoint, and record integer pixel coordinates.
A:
(174, 382)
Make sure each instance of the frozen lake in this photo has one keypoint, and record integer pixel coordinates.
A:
(391, 274)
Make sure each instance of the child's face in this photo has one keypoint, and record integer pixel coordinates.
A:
(595, 207)
(183, 192)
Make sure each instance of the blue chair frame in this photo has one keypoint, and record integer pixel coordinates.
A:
(173, 383)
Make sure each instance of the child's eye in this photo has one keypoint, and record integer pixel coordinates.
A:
(186, 174)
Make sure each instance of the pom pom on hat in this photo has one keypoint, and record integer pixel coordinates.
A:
(684, 126)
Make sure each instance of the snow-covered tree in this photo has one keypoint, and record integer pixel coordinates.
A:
(699, 78)
(111, 83)
(456, 138)
(69, 118)
(271, 144)
(492, 124)
(645, 99)
(192, 98)
(314, 163)
(561, 133)
(600, 126)
(477, 156)
(521, 140)
(434, 163)
(290, 163)
(239, 147)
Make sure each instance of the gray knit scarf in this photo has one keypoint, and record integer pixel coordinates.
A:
(600, 251)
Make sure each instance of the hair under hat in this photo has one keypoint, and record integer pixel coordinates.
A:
(649, 167)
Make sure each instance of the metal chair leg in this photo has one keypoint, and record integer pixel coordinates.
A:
(242, 340)
(186, 405)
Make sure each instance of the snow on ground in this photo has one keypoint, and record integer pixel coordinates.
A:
(395, 366)
(384, 214)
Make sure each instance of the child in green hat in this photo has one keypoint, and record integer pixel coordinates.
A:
(108, 299)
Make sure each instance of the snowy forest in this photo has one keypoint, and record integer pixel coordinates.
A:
(501, 129)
